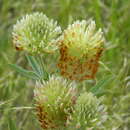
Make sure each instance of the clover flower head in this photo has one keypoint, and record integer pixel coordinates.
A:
(54, 101)
(88, 112)
(80, 49)
(36, 33)
(82, 39)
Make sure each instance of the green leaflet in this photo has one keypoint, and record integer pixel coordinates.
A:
(24, 72)
(99, 88)
(34, 64)
(37, 66)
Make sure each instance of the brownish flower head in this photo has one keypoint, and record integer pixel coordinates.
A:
(54, 102)
(80, 49)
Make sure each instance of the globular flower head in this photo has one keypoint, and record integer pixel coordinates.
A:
(54, 102)
(82, 39)
(80, 50)
(88, 112)
(36, 33)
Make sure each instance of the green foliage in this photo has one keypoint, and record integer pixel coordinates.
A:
(99, 88)
(26, 73)
(12, 125)
(38, 67)
(113, 75)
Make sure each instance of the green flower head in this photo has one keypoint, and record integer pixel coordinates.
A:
(54, 102)
(88, 112)
(36, 33)
(82, 39)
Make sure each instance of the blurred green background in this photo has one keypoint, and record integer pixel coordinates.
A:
(16, 92)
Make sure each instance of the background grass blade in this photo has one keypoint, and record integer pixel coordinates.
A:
(11, 124)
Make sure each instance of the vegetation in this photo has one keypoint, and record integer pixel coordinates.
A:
(112, 83)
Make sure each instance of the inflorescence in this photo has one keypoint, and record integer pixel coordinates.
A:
(55, 100)
(36, 33)
(58, 103)
(80, 49)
